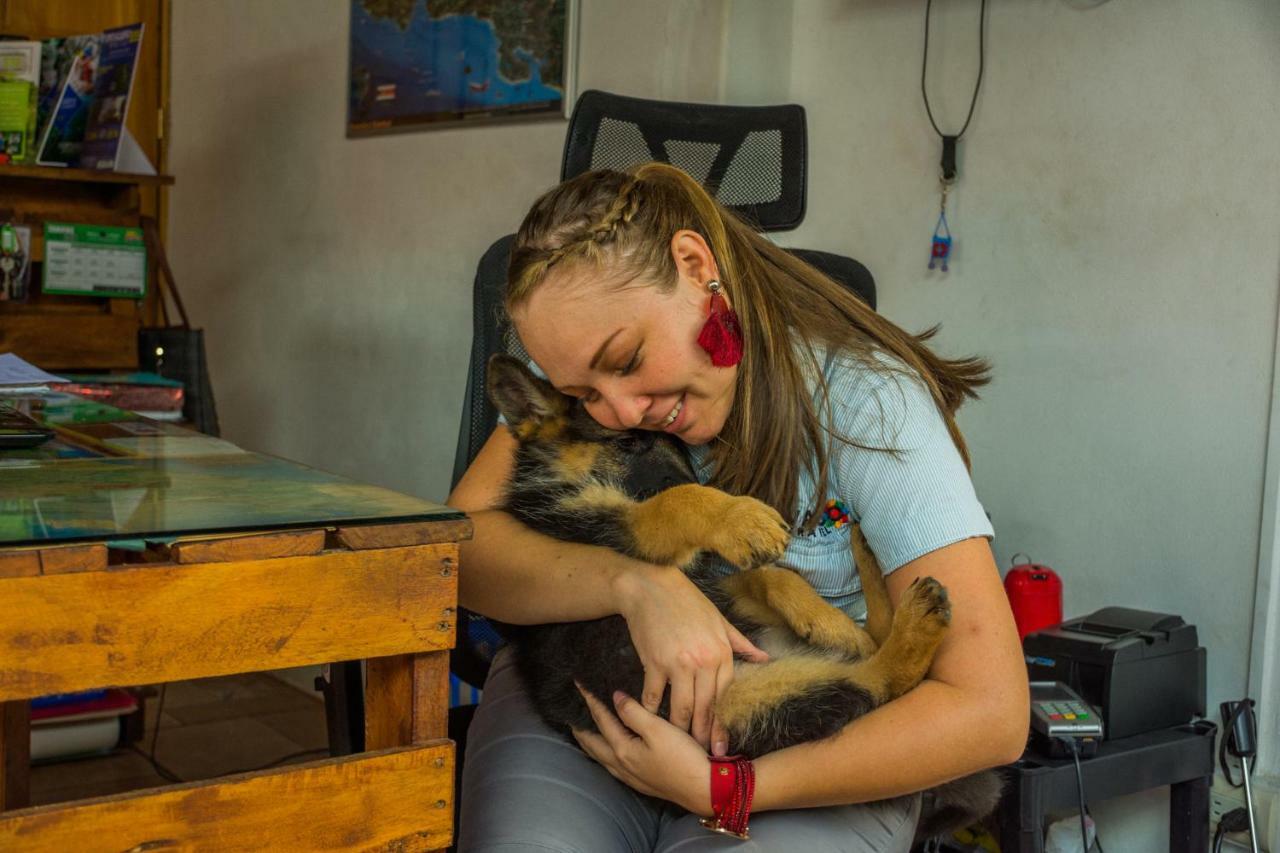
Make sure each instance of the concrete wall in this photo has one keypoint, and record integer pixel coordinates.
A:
(1117, 226)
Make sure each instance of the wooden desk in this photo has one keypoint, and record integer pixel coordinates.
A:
(77, 613)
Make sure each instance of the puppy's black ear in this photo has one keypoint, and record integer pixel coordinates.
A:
(520, 395)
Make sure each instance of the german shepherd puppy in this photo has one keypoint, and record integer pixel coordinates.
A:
(635, 492)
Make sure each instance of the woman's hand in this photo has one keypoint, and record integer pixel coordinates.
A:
(647, 753)
(682, 639)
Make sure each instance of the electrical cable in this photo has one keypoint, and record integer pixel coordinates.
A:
(1075, 756)
(169, 776)
(1236, 820)
(155, 733)
(1074, 748)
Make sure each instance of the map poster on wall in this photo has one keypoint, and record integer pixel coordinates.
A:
(419, 64)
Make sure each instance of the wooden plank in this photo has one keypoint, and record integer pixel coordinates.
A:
(431, 696)
(406, 699)
(40, 303)
(388, 702)
(395, 800)
(15, 754)
(362, 536)
(38, 201)
(73, 558)
(158, 623)
(19, 563)
(266, 546)
(72, 341)
(91, 176)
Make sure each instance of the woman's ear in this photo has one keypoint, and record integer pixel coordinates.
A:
(693, 258)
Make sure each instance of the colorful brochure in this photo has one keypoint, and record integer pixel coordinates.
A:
(117, 63)
(19, 77)
(87, 122)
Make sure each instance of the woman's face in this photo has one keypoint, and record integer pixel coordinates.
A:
(631, 353)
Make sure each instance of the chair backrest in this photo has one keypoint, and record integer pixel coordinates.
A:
(491, 333)
(752, 159)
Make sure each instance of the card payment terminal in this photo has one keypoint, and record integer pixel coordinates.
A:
(1058, 712)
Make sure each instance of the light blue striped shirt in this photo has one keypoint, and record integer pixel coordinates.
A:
(909, 503)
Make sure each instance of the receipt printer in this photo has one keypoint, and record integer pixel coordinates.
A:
(1142, 670)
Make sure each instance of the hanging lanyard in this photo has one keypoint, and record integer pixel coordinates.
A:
(940, 251)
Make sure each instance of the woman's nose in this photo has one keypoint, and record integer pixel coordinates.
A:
(627, 410)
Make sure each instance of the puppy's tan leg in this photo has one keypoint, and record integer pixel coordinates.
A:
(874, 590)
(749, 709)
(674, 524)
(919, 624)
(774, 596)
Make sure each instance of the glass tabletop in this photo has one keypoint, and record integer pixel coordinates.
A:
(110, 475)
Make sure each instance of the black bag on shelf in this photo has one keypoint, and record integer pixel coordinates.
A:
(177, 351)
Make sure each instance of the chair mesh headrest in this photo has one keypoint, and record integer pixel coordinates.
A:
(752, 159)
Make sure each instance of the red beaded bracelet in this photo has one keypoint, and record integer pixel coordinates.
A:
(733, 783)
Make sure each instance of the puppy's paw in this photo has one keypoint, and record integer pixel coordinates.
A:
(749, 533)
(925, 605)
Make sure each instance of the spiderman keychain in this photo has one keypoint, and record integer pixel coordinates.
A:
(941, 250)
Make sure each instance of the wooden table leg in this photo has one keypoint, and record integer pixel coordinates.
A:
(15, 754)
(406, 701)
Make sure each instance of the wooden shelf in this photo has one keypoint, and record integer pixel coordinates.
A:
(95, 340)
(63, 332)
(88, 176)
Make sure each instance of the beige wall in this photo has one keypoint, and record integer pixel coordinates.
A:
(1117, 226)
(334, 275)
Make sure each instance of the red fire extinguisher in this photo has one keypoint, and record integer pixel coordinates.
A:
(1035, 595)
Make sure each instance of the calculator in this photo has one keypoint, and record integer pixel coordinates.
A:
(18, 429)
(1058, 712)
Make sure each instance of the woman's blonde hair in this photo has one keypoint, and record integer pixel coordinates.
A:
(624, 223)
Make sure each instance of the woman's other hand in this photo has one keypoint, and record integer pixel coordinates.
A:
(647, 753)
(684, 641)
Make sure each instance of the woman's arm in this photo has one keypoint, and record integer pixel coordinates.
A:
(513, 574)
(969, 714)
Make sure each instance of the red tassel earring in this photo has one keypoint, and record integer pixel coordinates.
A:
(721, 337)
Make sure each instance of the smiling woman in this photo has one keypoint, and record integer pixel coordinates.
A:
(612, 279)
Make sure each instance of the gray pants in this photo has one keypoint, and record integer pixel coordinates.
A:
(527, 788)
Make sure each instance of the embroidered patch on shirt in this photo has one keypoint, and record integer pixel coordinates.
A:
(836, 514)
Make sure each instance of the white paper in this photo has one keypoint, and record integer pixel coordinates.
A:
(15, 371)
(131, 159)
(21, 61)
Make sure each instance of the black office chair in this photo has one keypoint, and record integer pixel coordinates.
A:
(752, 159)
